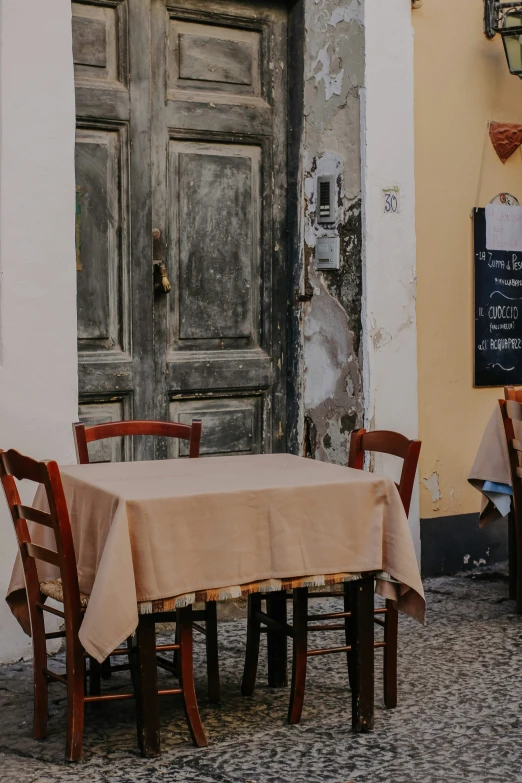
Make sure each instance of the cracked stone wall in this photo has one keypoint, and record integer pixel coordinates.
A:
(332, 392)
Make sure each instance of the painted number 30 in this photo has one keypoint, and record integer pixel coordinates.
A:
(391, 203)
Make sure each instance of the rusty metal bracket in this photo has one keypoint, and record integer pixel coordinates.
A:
(301, 298)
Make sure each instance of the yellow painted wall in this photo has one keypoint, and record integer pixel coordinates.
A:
(461, 82)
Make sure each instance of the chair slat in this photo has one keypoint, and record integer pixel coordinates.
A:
(118, 429)
(386, 442)
(51, 610)
(41, 553)
(517, 445)
(33, 515)
(85, 434)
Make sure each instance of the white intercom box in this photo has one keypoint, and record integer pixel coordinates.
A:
(327, 253)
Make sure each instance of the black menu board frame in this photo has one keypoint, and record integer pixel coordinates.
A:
(498, 311)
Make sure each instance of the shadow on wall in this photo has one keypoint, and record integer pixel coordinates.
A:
(457, 543)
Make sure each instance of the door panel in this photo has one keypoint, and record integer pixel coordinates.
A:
(214, 244)
(111, 40)
(219, 199)
(231, 425)
(205, 57)
(96, 32)
(102, 258)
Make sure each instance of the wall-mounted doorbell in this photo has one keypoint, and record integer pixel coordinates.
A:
(327, 250)
(326, 199)
(327, 253)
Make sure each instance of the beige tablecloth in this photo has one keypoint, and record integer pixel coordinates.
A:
(150, 530)
(492, 462)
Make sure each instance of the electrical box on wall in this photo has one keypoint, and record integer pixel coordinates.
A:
(327, 253)
(326, 199)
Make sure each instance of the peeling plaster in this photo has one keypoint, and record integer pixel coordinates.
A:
(332, 84)
(332, 396)
(432, 485)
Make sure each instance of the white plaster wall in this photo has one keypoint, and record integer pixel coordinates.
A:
(389, 282)
(38, 362)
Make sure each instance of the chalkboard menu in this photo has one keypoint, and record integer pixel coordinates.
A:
(498, 309)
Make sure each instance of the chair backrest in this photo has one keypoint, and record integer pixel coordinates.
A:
(388, 442)
(510, 393)
(84, 435)
(14, 465)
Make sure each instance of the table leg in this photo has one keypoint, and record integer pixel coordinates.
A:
(147, 703)
(276, 641)
(363, 654)
(512, 555)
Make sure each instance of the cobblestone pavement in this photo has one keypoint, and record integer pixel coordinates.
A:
(459, 716)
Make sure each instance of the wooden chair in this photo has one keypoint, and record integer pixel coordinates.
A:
(510, 393)
(511, 410)
(361, 442)
(83, 435)
(15, 466)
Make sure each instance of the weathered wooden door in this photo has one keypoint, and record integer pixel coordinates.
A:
(181, 160)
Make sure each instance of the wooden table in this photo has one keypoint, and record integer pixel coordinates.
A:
(162, 534)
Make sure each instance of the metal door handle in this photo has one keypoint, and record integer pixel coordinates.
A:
(165, 282)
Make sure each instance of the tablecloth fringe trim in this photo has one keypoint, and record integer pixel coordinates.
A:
(242, 591)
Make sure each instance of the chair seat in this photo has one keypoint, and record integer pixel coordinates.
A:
(53, 589)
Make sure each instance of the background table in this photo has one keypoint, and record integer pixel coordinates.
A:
(491, 475)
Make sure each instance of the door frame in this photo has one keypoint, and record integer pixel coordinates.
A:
(295, 248)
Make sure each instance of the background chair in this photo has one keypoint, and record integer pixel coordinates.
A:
(83, 435)
(387, 617)
(15, 466)
(511, 410)
(510, 393)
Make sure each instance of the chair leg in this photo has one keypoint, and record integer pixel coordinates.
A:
(75, 699)
(211, 639)
(175, 654)
(363, 655)
(105, 669)
(147, 704)
(252, 645)
(391, 628)
(41, 685)
(133, 662)
(95, 674)
(348, 631)
(512, 555)
(184, 620)
(518, 567)
(300, 657)
(276, 641)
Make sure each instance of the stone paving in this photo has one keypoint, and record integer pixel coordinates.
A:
(459, 716)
